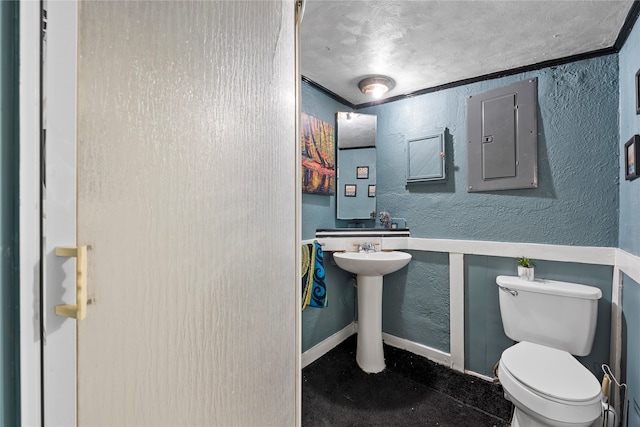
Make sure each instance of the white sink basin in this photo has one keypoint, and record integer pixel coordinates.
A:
(373, 263)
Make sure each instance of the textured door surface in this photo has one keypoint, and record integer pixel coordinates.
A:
(186, 194)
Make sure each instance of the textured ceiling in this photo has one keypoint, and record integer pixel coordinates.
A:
(425, 44)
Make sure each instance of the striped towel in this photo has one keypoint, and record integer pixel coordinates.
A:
(314, 288)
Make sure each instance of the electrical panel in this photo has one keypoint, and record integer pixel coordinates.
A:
(502, 138)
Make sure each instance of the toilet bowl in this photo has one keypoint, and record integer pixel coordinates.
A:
(548, 387)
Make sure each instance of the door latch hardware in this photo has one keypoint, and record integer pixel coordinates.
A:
(78, 310)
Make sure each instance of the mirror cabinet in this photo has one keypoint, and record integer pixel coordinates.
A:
(426, 156)
(356, 166)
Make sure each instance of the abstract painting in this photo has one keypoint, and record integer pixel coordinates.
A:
(318, 156)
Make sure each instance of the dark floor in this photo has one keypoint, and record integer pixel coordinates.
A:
(411, 391)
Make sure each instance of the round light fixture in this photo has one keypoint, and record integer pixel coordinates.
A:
(376, 85)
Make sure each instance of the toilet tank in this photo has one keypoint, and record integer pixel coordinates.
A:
(561, 315)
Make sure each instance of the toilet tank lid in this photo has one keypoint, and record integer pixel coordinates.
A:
(553, 287)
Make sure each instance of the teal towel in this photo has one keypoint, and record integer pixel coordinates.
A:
(314, 288)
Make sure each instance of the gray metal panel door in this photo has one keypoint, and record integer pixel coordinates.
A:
(502, 138)
(499, 137)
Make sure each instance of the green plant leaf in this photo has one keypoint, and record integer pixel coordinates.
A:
(525, 262)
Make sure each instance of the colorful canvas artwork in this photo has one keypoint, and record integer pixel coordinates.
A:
(318, 156)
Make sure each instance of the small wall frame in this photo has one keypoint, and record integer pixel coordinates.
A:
(638, 92)
(631, 157)
(362, 172)
(350, 190)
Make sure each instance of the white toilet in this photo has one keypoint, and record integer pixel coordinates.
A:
(551, 321)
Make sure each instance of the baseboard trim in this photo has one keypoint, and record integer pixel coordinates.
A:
(437, 356)
(477, 375)
(323, 347)
(432, 354)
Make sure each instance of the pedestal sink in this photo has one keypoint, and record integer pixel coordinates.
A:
(369, 268)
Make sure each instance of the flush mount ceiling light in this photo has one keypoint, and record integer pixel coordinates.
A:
(376, 85)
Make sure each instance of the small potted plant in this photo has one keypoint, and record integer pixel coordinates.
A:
(385, 219)
(525, 268)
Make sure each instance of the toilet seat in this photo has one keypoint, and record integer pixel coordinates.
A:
(539, 367)
(550, 382)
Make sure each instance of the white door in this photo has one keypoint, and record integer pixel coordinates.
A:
(187, 164)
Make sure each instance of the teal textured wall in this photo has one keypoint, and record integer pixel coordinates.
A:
(629, 126)
(578, 180)
(416, 300)
(320, 212)
(577, 163)
(576, 203)
(629, 223)
(9, 178)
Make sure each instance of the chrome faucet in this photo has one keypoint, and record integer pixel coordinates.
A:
(366, 247)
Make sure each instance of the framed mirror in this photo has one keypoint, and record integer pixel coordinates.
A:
(356, 166)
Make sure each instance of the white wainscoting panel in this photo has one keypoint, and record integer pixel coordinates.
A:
(456, 308)
(628, 264)
(622, 261)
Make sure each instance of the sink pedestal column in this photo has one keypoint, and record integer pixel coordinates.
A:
(369, 354)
